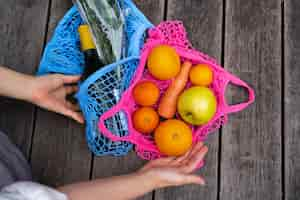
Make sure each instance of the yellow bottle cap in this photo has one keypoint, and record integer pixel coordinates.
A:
(86, 39)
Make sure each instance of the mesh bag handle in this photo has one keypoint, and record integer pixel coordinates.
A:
(241, 106)
(112, 112)
(133, 136)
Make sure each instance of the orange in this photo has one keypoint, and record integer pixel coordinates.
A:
(163, 62)
(146, 93)
(173, 137)
(201, 75)
(145, 120)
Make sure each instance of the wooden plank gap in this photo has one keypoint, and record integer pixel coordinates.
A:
(35, 108)
(92, 166)
(219, 171)
(32, 132)
(165, 14)
(282, 99)
(153, 194)
(223, 33)
(47, 23)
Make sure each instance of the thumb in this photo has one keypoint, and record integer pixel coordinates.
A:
(193, 179)
(74, 115)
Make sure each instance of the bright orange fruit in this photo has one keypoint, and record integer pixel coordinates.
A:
(201, 75)
(146, 93)
(163, 62)
(173, 137)
(145, 120)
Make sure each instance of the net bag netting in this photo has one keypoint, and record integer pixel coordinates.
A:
(102, 90)
(172, 33)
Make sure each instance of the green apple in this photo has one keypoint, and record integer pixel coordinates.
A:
(197, 105)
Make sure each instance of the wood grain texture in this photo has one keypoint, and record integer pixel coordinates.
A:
(153, 9)
(203, 21)
(59, 153)
(292, 100)
(22, 30)
(251, 141)
(111, 166)
(58, 10)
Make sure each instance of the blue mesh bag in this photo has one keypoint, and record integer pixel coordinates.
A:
(103, 89)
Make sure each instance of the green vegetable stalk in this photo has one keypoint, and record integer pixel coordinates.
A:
(106, 22)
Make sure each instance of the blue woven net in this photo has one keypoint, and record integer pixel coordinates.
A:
(62, 54)
(103, 89)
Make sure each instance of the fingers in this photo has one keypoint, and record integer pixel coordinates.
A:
(72, 106)
(70, 79)
(196, 149)
(165, 160)
(71, 89)
(197, 146)
(59, 80)
(181, 159)
(185, 158)
(197, 156)
(161, 161)
(77, 116)
(63, 95)
(64, 108)
(71, 110)
(158, 163)
(70, 101)
(74, 115)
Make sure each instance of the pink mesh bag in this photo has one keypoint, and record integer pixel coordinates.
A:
(173, 33)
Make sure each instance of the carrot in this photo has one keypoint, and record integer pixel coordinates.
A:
(168, 103)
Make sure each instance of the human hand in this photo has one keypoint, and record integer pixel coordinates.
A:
(172, 171)
(50, 92)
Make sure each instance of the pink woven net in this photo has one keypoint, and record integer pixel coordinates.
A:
(173, 33)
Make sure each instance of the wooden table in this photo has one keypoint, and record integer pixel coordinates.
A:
(255, 156)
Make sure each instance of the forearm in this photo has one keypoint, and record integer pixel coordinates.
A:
(115, 188)
(14, 84)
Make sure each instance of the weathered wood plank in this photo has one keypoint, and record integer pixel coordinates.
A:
(292, 100)
(59, 153)
(22, 34)
(251, 141)
(203, 21)
(108, 165)
(58, 10)
(153, 9)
